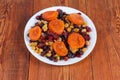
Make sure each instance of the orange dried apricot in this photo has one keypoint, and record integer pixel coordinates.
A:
(75, 40)
(60, 48)
(50, 15)
(56, 26)
(76, 19)
(35, 33)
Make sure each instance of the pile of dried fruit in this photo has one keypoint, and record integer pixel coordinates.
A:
(59, 36)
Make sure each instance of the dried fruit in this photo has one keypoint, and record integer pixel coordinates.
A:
(76, 19)
(56, 26)
(50, 15)
(60, 48)
(35, 33)
(88, 29)
(75, 40)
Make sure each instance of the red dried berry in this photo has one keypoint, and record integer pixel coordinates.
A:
(40, 45)
(66, 58)
(88, 29)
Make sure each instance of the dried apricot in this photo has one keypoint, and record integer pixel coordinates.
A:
(56, 26)
(35, 33)
(76, 19)
(50, 15)
(60, 48)
(75, 40)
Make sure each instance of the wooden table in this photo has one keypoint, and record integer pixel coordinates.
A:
(16, 63)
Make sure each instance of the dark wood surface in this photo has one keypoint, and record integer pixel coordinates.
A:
(16, 63)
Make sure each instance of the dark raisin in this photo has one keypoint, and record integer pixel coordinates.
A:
(82, 27)
(53, 53)
(85, 45)
(79, 53)
(32, 41)
(50, 58)
(43, 53)
(64, 13)
(60, 13)
(46, 48)
(61, 57)
(65, 34)
(41, 24)
(28, 35)
(70, 55)
(36, 24)
(63, 18)
(75, 26)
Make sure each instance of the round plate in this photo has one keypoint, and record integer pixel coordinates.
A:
(68, 10)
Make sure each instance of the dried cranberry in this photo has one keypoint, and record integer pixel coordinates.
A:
(87, 37)
(78, 55)
(54, 35)
(43, 40)
(50, 38)
(40, 45)
(65, 58)
(37, 17)
(88, 29)
(79, 13)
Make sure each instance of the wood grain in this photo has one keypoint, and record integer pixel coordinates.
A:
(107, 58)
(17, 64)
(14, 57)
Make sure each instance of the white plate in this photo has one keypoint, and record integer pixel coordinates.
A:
(68, 10)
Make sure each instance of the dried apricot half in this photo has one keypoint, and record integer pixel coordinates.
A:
(60, 48)
(35, 33)
(75, 40)
(56, 26)
(50, 15)
(76, 19)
